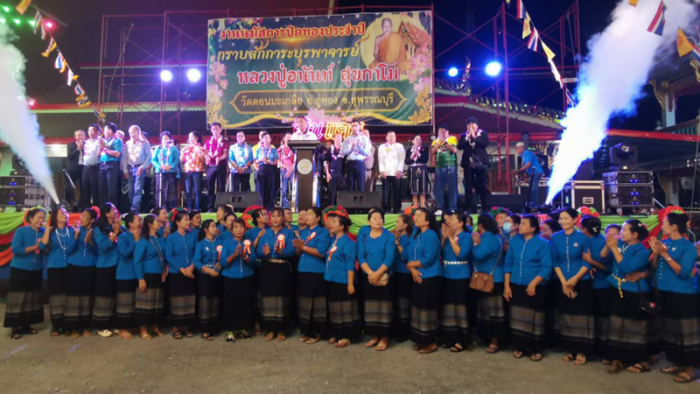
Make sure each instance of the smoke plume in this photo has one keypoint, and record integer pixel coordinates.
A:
(19, 127)
(612, 77)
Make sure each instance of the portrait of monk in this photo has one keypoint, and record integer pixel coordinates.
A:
(389, 48)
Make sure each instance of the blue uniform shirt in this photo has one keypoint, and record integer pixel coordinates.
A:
(149, 256)
(461, 270)
(634, 258)
(340, 259)
(489, 254)
(60, 247)
(271, 238)
(179, 251)
(529, 157)
(108, 255)
(238, 268)
(317, 238)
(567, 253)
(126, 247)
(600, 277)
(527, 260)
(169, 156)
(425, 247)
(376, 252)
(85, 253)
(206, 254)
(399, 261)
(25, 237)
(682, 252)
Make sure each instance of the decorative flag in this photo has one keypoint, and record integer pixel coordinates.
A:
(22, 6)
(98, 114)
(43, 32)
(37, 21)
(534, 39)
(657, 24)
(79, 90)
(84, 102)
(545, 48)
(50, 48)
(683, 44)
(521, 10)
(633, 3)
(557, 76)
(71, 77)
(526, 26)
(570, 99)
(696, 52)
(60, 63)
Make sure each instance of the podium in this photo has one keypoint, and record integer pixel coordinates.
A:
(305, 172)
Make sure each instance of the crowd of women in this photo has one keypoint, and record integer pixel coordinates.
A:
(507, 281)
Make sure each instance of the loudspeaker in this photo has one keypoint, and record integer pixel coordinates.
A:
(359, 202)
(511, 202)
(238, 200)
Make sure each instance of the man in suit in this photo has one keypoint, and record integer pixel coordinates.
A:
(475, 164)
(74, 164)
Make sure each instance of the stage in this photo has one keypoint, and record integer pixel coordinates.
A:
(9, 222)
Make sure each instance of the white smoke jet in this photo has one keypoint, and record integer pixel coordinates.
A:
(612, 77)
(19, 127)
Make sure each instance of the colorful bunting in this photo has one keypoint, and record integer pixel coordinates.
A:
(22, 6)
(659, 21)
(534, 40)
(521, 10)
(683, 44)
(43, 32)
(526, 26)
(37, 21)
(78, 90)
(633, 3)
(557, 76)
(547, 51)
(84, 102)
(50, 48)
(60, 63)
(570, 99)
(71, 77)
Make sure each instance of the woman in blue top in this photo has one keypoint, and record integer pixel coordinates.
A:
(630, 329)
(166, 164)
(80, 294)
(162, 217)
(222, 213)
(107, 230)
(576, 320)
(58, 242)
(126, 275)
(207, 261)
(591, 227)
(510, 226)
(179, 252)
(237, 262)
(151, 271)
(423, 256)
(456, 249)
(276, 250)
(311, 247)
(195, 220)
(527, 266)
(343, 314)
(488, 258)
(226, 232)
(24, 306)
(403, 281)
(674, 259)
(376, 250)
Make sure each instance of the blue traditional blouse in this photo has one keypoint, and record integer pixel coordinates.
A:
(600, 277)
(61, 245)
(376, 252)
(108, 253)
(489, 253)
(425, 247)
(528, 259)
(238, 268)
(149, 256)
(683, 252)
(399, 261)
(208, 254)
(271, 239)
(457, 266)
(179, 251)
(567, 253)
(126, 247)
(85, 253)
(340, 259)
(635, 258)
(25, 237)
(169, 156)
(317, 238)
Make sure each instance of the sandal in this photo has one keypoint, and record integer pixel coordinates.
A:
(244, 335)
(342, 343)
(177, 335)
(615, 367)
(492, 349)
(281, 336)
(372, 342)
(382, 346)
(638, 368)
(87, 333)
(672, 370)
(580, 360)
(269, 336)
(230, 337)
(332, 341)
(517, 354)
(30, 330)
(311, 341)
(16, 334)
(145, 335)
(537, 357)
(75, 334)
(428, 349)
(207, 337)
(189, 334)
(303, 338)
(456, 348)
(567, 358)
(158, 332)
(125, 334)
(687, 379)
(54, 332)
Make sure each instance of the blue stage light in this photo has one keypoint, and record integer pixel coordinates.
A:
(166, 76)
(493, 69)
(452, 72)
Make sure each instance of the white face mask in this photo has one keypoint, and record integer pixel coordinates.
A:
(506, 227)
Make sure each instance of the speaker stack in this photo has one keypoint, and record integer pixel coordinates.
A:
(21, 191)
(629, 189)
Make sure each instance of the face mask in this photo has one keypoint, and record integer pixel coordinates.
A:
(506, 227)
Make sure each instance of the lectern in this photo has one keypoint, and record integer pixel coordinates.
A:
(305, 172)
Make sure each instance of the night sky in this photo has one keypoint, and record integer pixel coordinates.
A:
(80, 41)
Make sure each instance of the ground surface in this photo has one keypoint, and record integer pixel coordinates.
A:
(41, 364)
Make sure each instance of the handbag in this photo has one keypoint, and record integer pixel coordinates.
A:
(646, 304)
(483, 282)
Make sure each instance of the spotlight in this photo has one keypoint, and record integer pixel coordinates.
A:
(31, 22)
(17, 21)
(452, 72)
(166, 76)
(623, 155)
(525, 137)
(194, 75)
(6, 8)
(493, 69)
(3, 21)
(48, 25)
(31, 102)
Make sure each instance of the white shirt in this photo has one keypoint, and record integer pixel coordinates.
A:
(391, 158)
(91, 152)
(308, 136)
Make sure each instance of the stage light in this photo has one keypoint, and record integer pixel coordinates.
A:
(194, 75)
(452, 72)
(166, 76)
(31, 102)
(48, 25)
(6, 8)
(32, 22)
(493, 69)
(17, 21)
(3, 20)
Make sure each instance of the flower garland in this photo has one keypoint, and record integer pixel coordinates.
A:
(335, 209)
(248, 217)
(174, 212)
(411, 211)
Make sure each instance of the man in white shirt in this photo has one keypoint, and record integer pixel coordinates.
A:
(90, 191)
(355, 149)
(301, 130)
(391, 159)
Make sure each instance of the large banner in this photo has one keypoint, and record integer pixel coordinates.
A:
(375, 68)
